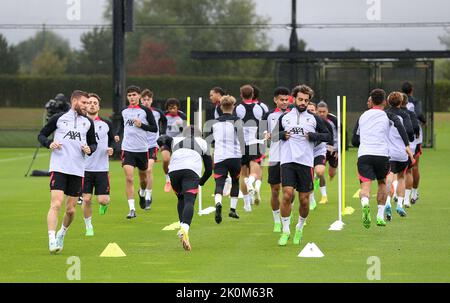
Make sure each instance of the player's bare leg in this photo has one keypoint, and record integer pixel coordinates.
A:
(285, 211)
(56, 200)
(129, 189)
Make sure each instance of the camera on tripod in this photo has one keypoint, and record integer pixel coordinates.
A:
(54, 106)
(57, 105)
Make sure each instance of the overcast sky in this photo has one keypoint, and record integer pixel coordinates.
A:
(309, 11)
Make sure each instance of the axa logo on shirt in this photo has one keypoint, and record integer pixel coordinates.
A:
(297, 130)
(73, 135)
(129, 122)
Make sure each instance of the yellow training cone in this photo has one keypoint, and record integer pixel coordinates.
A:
(113, 250)
(348, 210)
(356, 195)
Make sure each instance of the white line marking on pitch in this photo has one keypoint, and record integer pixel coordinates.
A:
(18, 158)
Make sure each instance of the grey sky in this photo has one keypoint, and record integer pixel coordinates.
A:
(309, 11)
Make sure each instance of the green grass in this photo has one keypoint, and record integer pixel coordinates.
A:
(411, 249)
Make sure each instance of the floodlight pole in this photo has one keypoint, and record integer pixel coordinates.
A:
(293, 44)
(122, 22)
(118, 61)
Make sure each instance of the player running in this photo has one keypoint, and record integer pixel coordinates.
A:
(281, 100)
(97, 166)
(229, 146)
(332, 149)
(185, 168)
(258, 169)
(398, 157)
(161, 123)
(299, 130)
(251, 114)
(137, 121)
(320, 154)
(415, 106)
(175, 122)
(73, 139)
(371, 136)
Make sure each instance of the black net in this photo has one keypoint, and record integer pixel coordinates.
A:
(355, 79)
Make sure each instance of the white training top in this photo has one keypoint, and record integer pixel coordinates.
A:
(188, 157)
(99, 161)
(251, 114)
(272, 121)
(226, 138)
(298, 149)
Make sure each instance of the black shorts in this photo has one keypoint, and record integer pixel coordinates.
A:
(398, 167)
(164, 143)
(373, 168)
(184, 181)
(332, 160)
(139, 160)
(98, 180)
(70, 184)
(299, 176)
(274, 173)
(320, 160)
(153, 153)
(252, 153)
(418, 151)
(231, 166)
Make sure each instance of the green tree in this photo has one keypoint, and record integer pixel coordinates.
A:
(9, 59)
(32, 47)
(96, 54)
(200, 31)
(48, 63)
(442, 66)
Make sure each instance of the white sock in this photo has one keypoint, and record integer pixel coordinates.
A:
(286, 221)
(142, 192)
(400, 202)
(218, 199)
(276, 216)
(407, 196)
(414, 193)
(51, 235)
(247, 200)
(258, 185)
(364, 201)
(388, 201)
(323, 191)
(311, 198)
(380, 214)
(131, 204)
(167, 178)
(233, 202)
(88, 222)
(251, 180)
(148, 194)
(394, 184)
(63, 230)
(184, 226)
(301, 222)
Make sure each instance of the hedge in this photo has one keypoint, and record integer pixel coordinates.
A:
(32, 91)
(442, 96)
(28, 91)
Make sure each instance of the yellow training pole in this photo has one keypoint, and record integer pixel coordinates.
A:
(344, 128)
(346, 210)
(188, 111)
